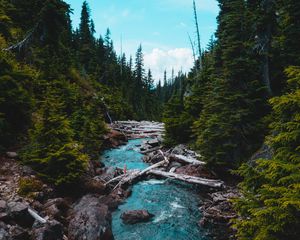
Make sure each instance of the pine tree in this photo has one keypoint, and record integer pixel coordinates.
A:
(270, 206)
(139, 83)
(52, 152)
(230, 127)
(86, 39)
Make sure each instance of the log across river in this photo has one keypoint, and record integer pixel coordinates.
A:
(175, 204)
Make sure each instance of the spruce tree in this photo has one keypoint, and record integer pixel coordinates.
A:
(52, 152)
(270, 205)
(230, 127)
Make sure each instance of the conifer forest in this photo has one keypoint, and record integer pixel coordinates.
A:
(88, 135)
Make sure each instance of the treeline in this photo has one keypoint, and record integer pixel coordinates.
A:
(58, 87)
(246, 94)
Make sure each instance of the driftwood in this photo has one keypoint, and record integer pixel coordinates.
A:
(132, 175)
(40, 219)
(115, 179)
(189, 179)
(140, 128)
(156, 165)
(36, 216)
(189, 160)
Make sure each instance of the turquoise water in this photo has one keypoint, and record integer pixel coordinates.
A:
(174, 205)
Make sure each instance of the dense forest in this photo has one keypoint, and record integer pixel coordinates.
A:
(59, 86)
(243, 95)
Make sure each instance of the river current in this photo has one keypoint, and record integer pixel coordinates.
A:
(175, 205)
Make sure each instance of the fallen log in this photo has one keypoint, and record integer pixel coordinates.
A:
(40, 219)
(115, 179)
(131, 176)
(36, 216)
(156, 165)
(150, 150)
(189, 179)
(189, 160)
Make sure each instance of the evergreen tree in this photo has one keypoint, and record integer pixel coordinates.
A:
(139, 83)
(86, 39)
(230, 127)
(52, 152)
(270, 206)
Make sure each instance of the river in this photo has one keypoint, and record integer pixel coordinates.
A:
(175, 205)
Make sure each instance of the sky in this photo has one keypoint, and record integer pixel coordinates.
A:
(161, 26)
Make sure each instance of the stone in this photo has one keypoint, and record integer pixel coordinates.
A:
(153, 142)
(3, 234)
(2, 206)
(18, 233)
(11, 154)
(136, 216)
(94, 186)
(52, 230)
(18, 212)
(4, 217)
(115, 198)
(27, 171)
(90, 219)
(55, 208)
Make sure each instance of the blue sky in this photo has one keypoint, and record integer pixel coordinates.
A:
(161, 26)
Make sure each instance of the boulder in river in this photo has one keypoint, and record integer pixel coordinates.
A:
(90, 220)
(136, 216)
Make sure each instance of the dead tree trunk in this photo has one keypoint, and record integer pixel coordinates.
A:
(189, 179)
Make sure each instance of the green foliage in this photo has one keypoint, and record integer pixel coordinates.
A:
(28, 186)
(270, 206)
(15, 102)
(178, 122)
(52, 152)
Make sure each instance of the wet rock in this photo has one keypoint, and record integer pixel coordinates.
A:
(52, 230)
(115, 198)
(90, 219)
(18, 233)
(18, 212)
(136, 216)
(11, 154)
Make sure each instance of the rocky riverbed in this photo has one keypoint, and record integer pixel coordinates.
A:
(85, 212)
(33, 210)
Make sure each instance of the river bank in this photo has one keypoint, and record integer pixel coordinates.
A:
(88, 211)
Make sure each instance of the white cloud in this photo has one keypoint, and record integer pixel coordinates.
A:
(159, 60)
